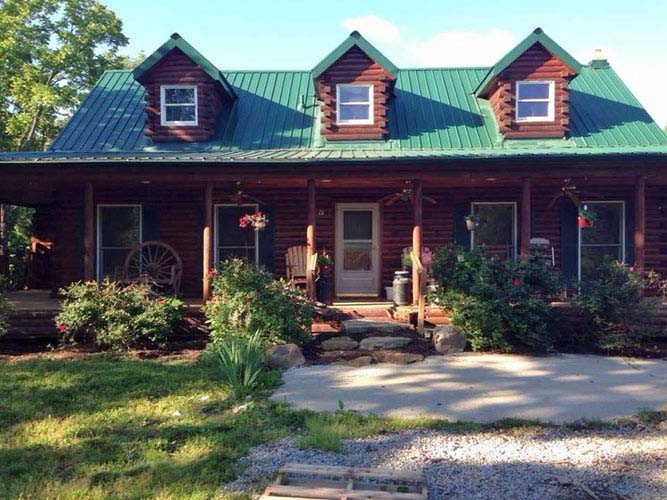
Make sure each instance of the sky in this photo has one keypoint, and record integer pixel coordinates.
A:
(297, 34)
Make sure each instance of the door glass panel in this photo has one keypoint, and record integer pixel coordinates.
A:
(233, 240)
(358, 225)
(120, 233)
(604, 239)
(495, 231)
(358, 256)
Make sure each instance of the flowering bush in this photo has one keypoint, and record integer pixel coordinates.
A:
(615, 312)
(257, 221)
(501, 305)
(247, 299)
(4, 315)
(116, 315)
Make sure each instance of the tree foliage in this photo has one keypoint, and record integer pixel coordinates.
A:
(52, 52)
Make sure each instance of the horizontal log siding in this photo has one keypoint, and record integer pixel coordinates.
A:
(177, 69)
(535, 64)
(180, 214)
(354, 67)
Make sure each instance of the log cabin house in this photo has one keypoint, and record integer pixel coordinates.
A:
(356, 156)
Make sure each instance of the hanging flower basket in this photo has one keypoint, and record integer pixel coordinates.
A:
(586, 217)
(257, 221)
(472, 222)
(584, 223)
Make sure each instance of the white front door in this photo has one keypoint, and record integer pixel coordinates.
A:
(357, 256)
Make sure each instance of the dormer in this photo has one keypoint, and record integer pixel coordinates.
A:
(354, 84)
(185, 93)
(528, 89)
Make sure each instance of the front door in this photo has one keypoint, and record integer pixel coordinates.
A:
(357, 256)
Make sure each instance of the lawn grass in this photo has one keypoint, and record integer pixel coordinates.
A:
(117, 427)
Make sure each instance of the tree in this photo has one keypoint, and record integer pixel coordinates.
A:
(52, 52)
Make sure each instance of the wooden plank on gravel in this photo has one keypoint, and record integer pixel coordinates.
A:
(323, 482)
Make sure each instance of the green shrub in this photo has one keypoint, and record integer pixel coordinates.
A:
(116, 315)
(615, 312)
(248, 299)
(4, 315)
(501, 305)
(240, 360)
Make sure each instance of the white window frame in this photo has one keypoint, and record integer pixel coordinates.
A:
(216, 234)
(164, 104)
(371, 99)
(622, 231)
(514, 223)
(551, 101)
(98, 253)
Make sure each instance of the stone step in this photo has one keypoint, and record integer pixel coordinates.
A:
(366, 325)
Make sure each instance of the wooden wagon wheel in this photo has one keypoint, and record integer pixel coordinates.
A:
(157, 264)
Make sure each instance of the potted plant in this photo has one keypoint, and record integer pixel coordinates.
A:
(257, 221)
(586, 217)
(325, 282)
(406, 261)
(472, 222)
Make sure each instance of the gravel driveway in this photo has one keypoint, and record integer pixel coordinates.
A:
(549, 463)
(486, 387)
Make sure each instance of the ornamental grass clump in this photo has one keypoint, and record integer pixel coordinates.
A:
(248, 299)
(501, 305)
(115, 315)
(240, 360)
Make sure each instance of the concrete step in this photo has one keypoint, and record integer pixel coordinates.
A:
(366, 325)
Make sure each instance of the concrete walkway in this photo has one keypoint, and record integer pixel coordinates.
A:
(486, 387)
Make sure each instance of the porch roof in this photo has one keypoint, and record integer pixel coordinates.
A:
(434, 115)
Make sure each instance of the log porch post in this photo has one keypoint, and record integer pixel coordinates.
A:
(207, 242)
(89, 233)
(417, 237)
(310, 240)
(640, 224)
(525, 219)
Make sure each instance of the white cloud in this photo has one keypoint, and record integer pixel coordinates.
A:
(374, 28)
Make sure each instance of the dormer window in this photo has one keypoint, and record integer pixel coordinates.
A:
(178, 105)
(354, 104)
(535, 101)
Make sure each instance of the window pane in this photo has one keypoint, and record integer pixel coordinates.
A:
(230, 234)
(180, 113)
(534, 91)
(179, 96)
(496, 229)
(592, 257)
(357, 257)
(112, 261)
(606, 228)
(354, 112)
(120, 226)
(532, 109)
(358, 225)
(354, 94)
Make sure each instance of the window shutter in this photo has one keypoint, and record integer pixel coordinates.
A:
(267, 252)
(150, 223)
(569, 240)
(461, 233)
(630, 231)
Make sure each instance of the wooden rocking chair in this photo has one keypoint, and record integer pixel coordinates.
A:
(297, 266)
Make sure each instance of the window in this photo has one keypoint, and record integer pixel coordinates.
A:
(605, 238)
(178, 104)
(534, 101)
(231, 240)
(496, 231)
(354, 104)
(118, 233)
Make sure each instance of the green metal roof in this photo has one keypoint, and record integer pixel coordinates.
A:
(537, 36)
(434, 114)
(178, 42)
(355, 40)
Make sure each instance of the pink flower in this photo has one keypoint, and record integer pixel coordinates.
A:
(62, 327)
(160, 301)
(211, 273)
(516, 282)
(247, 299)
(257, 292)
(632, 269)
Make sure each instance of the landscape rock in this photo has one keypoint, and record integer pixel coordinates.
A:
(448, 339)
(399, 358)
(372, 343)
(361, 326)
(282, 357)
(339, 344)
(358, 362)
